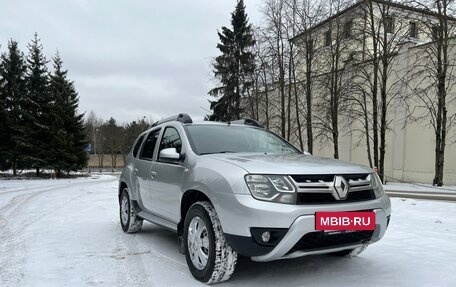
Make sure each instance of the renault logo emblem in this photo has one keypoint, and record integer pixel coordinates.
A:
(341, 186)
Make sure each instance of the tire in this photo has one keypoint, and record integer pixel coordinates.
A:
(128, 220)
(349, 253)
(202, 224)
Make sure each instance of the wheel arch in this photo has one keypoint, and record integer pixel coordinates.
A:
(122, 186)
(188, 199)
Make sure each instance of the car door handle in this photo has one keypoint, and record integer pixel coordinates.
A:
(135, 170)
(153, 174)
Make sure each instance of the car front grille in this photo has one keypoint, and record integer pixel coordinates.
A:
(318, 178)
(319, 189)
(321, 239)
(328, 198)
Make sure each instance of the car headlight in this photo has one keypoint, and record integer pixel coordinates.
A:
(275, 188)
(377, 185)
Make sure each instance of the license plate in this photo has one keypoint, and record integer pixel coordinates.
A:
(330, 221)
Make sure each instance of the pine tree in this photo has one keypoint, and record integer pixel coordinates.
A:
(37, 110)
(4, 133)
(234, 67)
(130, 133)
(12, 94)
(68, 142)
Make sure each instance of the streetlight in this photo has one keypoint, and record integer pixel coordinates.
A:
(95, 145)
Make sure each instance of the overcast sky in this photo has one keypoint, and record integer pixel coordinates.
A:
(128, 59)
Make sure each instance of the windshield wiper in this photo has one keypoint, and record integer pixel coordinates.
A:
(224, 151)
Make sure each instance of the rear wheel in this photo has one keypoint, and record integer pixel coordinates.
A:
(128, 220)
(209, 257)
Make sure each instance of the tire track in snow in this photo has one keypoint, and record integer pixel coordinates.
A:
(11, 239)
(19, 200)
(136, 253)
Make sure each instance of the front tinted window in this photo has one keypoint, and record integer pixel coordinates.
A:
(208, 139)
(149, 145)
(171, 139)
(137, 146)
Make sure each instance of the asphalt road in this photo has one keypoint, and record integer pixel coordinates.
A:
(423, 195)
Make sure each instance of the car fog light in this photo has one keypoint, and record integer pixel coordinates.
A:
(287, 198)
(266, 236)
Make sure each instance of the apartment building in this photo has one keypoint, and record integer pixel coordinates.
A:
(343, 48)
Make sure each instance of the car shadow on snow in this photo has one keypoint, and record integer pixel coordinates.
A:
(160, 237)
(321, 270)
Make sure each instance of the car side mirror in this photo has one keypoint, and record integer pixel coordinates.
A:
(169, 155)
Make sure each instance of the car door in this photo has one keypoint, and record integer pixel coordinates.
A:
(166, 187)
(134, 163)
(143, 167)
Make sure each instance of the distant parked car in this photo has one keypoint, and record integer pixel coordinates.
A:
(235, 188)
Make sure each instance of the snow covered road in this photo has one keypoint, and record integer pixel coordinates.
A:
(67, 233)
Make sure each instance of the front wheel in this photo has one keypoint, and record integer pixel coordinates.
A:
(209, 257)
(128, 220)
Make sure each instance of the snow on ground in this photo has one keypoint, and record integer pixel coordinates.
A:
(67, 233)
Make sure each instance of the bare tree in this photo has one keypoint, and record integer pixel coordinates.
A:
(335, 81)
(280, 65)
(264, 79)
(257, 94)
(306, 14)
(383, 29)
(435, 70)
(292, 27)
(276, 39)
(112, 134)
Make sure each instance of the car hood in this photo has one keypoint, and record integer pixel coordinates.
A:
(290, 164)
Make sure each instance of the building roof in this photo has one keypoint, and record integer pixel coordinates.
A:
(356, 5)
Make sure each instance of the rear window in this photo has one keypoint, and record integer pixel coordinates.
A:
(149, 145)
(138, 145)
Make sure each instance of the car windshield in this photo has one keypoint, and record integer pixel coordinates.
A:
(209, 139)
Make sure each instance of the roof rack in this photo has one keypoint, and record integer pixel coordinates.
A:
(248, 122)
(183, 118)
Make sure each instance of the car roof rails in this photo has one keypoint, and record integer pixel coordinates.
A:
(183, 118)
(248, 122)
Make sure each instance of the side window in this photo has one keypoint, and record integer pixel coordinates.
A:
(348, 27)
(138, 145)
(149, 145)
(171, 139)
(328, 39)
(389, 24)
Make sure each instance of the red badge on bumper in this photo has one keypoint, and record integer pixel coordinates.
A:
(345, 220)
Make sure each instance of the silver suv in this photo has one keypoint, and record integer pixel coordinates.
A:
(235, 188)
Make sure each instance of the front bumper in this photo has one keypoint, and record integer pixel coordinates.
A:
(306, 224)
(239, 213)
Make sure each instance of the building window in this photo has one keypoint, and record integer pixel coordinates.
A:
(389, 24)
(328, 38)
(435, 32)
(413, 30)
(309, 46)
(348, 26)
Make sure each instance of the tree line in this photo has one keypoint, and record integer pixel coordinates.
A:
(111, 138)
(40, 127)
(309, 95)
